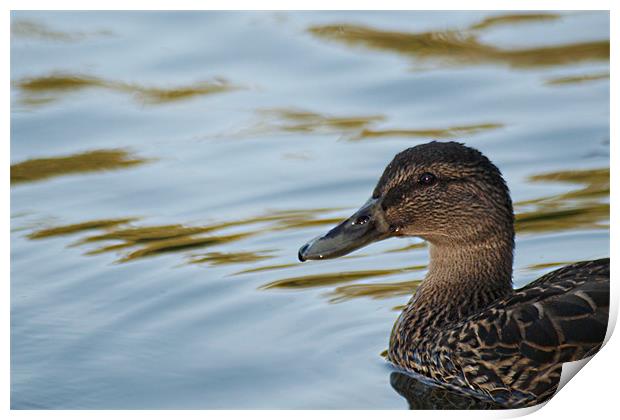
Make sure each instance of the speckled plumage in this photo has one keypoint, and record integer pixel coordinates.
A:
(512, 350)
(465, 327)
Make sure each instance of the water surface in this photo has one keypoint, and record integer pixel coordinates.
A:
(167, 166)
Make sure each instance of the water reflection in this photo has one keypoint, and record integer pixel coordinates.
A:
(93, 161)
(304, 121)
(78, 227)
(407, 248)
(267, 268)
(436, 133)
(511, 19)
(328, 279)
(146, 241)
(225, 258)
(374, 290)
(583, 208)
(181, 244)
(136, 242)
(421, 396)
(30, 29)
(354, 127)
(571, 80)
(461, 47)
(539, 266)
(48, 88)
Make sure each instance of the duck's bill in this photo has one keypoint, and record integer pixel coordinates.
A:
(367, 225)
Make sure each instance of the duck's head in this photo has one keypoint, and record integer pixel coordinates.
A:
(444, 192)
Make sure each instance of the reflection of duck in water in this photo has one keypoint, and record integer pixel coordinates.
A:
(421, 396)
(465, 327)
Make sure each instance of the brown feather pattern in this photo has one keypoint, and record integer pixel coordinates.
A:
(513, 350)
(466, 328)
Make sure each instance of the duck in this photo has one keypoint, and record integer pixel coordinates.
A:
(466, 328)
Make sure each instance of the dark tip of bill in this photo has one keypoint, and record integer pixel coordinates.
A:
(301, 252)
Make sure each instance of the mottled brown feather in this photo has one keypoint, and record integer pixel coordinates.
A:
(466, 328)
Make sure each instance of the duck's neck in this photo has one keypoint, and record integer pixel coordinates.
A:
(461, 280)
(466, 279)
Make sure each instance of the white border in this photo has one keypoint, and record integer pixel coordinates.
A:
(591, 395)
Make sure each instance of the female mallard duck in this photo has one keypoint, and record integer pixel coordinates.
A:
(466, 327)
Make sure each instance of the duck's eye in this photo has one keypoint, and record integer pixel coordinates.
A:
(427, 178)
(361, 220)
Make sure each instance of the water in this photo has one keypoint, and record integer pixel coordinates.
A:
(166, 167)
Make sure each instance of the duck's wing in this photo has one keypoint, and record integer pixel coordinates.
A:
(520, 342)
(562, 316)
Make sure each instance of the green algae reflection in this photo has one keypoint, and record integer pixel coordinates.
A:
(356, 127)
(131, 242)
(47, 88)
(30, 29)
(328, 279)
(79, 227)
(436, 133)
(554, 264)
(93, 161)
(586, 207)
(572, 80)
(462, 47)
(303, 121)
(512, 19)
(226, 258)
(374, 290)
(341, 293)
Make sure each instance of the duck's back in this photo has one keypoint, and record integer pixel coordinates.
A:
(520, 342)
(560, 317)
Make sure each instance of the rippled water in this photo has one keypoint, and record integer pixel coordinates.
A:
(167, 166)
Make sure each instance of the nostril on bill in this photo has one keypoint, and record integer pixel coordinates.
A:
(300, 254)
